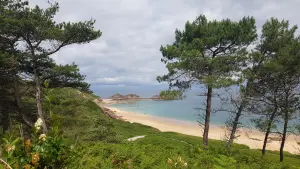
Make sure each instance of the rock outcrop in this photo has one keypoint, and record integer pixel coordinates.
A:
(132, 97)
(117, 97)
(155, 97)
(111, 114)
(126, 97)
(107, 111)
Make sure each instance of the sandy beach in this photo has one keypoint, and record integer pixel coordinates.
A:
(252, 138)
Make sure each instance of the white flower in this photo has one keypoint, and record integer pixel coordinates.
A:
(13, 147)
(180, 159)
(185, 164)
(38, 124)
(9, 148)
(42, 137)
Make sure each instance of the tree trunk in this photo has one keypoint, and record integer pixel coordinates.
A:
(235, 124)
(5, 117)
(38, 101)
(10, 121)
(263, 151)
(19, 104)
(286, 120)
(207, 116)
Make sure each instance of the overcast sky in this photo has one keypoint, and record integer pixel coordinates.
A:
(126, 58)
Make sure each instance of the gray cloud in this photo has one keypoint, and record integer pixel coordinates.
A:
(128, 52)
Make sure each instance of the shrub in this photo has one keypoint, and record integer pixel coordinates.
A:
(37, 152)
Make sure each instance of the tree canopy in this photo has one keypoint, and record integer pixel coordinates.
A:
(170, 95)
(208, 53)
(29, 35)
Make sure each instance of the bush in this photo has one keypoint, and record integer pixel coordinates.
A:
(38, 152)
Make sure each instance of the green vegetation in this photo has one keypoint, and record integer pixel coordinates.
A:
(209, 53)
(170, 95)
(50, 119)
(216, 55)
(101, 142)
(97, 141)
(274, 79)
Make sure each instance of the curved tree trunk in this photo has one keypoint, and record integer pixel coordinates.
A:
(207, 116)
(235, 124)
(38, 101)
(19, 102)
(5, 116)
(286, 120)
(263, 151)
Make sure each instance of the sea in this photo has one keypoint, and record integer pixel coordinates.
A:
(190, 109)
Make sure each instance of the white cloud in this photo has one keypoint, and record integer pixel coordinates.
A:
(125, 80)
(133, 30)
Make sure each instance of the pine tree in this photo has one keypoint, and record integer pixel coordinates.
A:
(43, 37)
(10, 55)
(40, 36)
(273, 80)
(208, 53)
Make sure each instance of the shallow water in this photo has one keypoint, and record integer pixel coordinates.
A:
(186, 110)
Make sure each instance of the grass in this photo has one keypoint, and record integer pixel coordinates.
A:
(102, 143)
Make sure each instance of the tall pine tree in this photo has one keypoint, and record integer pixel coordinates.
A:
(208, 53)
(273, 80)
(43, 37)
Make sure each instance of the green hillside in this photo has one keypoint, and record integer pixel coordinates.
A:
(50, 118)
(101, 142)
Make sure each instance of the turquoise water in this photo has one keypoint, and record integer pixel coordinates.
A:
(186, 109)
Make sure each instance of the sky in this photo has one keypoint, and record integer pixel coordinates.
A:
(126, 58)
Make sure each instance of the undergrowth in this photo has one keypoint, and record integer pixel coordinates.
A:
(102, 143)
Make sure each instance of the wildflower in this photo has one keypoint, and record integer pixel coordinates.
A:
(42, 137)
(13, 147)
(180, 159)
(27, 166)
(38, 124)
(9, 148)
(27, 143)
(185, 164)
(169, 161)
(35, 158)
(16, 165)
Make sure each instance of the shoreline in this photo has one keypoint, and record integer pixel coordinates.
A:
(111, 101)
(250, 137)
